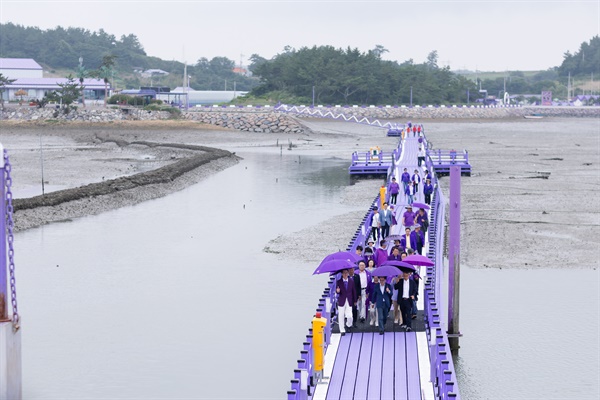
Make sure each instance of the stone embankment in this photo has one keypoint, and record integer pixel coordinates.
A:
(262, 119)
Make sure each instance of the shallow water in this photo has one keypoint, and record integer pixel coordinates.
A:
(174, 298)
(529, 334)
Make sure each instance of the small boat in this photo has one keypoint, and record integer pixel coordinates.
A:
(534, 116)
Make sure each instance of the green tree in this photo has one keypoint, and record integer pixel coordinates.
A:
(105, 71)
(82, 73)
(3, 82)
(68, 94)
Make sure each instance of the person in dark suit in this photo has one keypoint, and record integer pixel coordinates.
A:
(381, 299)
(356, 280)
(407, 292)
(346, 299)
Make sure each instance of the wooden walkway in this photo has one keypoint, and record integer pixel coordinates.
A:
(374, 366)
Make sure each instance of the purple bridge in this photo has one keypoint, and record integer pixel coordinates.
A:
(397, 365)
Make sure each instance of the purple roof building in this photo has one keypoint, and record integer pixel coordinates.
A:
(20, 68)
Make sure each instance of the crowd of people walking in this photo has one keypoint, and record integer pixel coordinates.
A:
(395, 232)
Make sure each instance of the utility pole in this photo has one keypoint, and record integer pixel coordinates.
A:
(313, 102)
(411, 96)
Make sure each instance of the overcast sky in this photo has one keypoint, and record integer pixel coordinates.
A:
(483, 34)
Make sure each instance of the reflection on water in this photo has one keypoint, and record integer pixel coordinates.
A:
(174, 298)
(529, 334)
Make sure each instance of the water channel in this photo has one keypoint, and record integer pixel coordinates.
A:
(174, 298)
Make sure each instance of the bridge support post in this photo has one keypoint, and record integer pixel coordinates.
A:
(454, 260)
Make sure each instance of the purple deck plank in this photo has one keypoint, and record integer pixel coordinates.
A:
(387, 371)
(339, 367)
(364, 365)
(351, 367)
(400, 389)
(374, 390)
(412, 367)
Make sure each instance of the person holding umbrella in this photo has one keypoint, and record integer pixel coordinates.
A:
(407, 291)
(381, 300)
(364, 284)
(347, 298)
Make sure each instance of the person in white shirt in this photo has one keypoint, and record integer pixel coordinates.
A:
(375, 224)
(421, 155)
(407, 291)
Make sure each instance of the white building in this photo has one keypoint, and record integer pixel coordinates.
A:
(20, 68)
(36, 88)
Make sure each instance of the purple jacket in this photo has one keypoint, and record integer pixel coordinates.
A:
(410, 190)
(416, 178)
(346, 293)
(394, 188)
(413, 239)
(427, 189)
(381, 256)
(419, 219)
(405, 177)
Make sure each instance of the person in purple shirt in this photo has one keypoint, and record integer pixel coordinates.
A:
(422, 219)
(393, 190)
(381, 254)
(405, 178)
(408, 218)
(427, 191)
(417, 239)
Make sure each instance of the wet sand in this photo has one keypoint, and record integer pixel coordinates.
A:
(512, 216)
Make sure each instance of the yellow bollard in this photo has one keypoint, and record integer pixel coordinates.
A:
(318, 331)
(382, 191)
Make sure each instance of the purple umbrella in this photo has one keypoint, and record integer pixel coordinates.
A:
(391, 238)
(417, 259)
(333, 266)
(405, 267)
(386, 270)
(343, 255)
(421, 205)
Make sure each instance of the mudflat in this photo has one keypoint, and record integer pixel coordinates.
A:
(532, 201)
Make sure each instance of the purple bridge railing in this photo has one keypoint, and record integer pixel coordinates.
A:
(442, 371)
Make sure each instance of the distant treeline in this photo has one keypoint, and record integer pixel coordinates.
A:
(338, 76)
(60, 48)
(349, 76)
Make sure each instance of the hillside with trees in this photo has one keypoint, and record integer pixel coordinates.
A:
(349, 76)
(60, 49)
(337, 76)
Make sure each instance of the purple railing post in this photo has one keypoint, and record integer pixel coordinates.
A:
(3, 286)
(454, 259)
